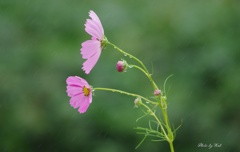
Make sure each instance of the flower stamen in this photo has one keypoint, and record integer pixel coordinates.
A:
(86, 91)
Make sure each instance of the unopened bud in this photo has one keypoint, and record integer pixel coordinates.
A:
(137, 102)
(157, 92)
(121, 66)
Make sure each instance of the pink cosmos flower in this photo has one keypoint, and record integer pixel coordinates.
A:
(80, 92)
(91, 49)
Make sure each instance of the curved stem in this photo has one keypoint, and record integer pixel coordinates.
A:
(126, 93)
(147, 74)
(169, 135)
(164, 86)
(136, 59)
(139, 68)
(127, 54)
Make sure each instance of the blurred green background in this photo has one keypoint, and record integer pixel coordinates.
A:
(197, 41)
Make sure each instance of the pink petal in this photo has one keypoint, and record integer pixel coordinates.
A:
(95, 18)
(74, 90)
(81, 101)
(91, 61)
(77, 100)
(90, 97)
(89, 48)
(92, 28)
(84, 106)
(85, 83)
(75, 86)
(74, 80)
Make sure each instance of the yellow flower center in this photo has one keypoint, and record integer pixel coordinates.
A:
(86, 91)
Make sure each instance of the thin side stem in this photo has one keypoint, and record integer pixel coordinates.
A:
(148, 75)
(126, 93)
(159, 122)
(127, 54)
(169, 134)
(136, 59)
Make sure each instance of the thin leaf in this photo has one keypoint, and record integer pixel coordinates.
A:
(141, 142)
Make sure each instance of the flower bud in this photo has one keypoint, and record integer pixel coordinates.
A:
(157, 92)
(137, 102)
(121, 66)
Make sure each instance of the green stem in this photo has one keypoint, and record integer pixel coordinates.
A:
(136, 95)
(139, 61)
(127, 54)
(139, 68)
(170, 133)
(171, 146)
(148, 75)
(165, 116)
(159, 122)
(126, 93)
